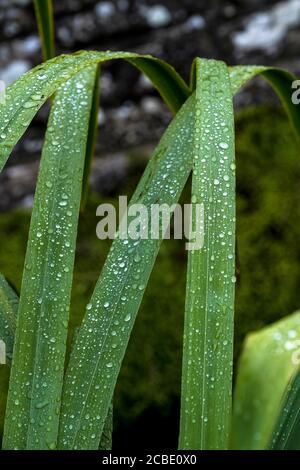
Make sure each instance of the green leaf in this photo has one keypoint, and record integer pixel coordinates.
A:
(268, 361)
(91, 140)
(103, 337)
(44, 16)
(280, 80)
(39, 353)
(8, 315)
(208, 334)
(286, 433)
(26, 96)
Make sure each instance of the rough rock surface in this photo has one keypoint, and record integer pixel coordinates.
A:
(237, 31)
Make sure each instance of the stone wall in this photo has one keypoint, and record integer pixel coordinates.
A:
(237, 31)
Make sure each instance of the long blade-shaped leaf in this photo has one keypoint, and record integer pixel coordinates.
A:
(269, 359)
(25, 97)
(44, 15)
(101, 343)
(39, 352)
(208, 336)
(286, 433)
(9, 302)
(8, 315)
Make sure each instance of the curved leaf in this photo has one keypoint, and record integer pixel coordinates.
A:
(208, 334)
(26, 96)
(38, 361)
(103, 337)
(106, 436)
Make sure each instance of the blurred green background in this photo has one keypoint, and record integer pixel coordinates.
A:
(146, 402)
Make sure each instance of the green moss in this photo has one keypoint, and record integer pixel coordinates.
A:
(268, 243)
(268, 224)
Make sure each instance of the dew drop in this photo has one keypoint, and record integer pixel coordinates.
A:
(36, 97)
(223, 145)
(29, 104)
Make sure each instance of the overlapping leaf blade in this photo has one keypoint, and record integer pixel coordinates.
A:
(9, 302)
(280, 80)
(101, 343)
(22, 104)
(208, 336)
(39, 352)
(25, 97)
